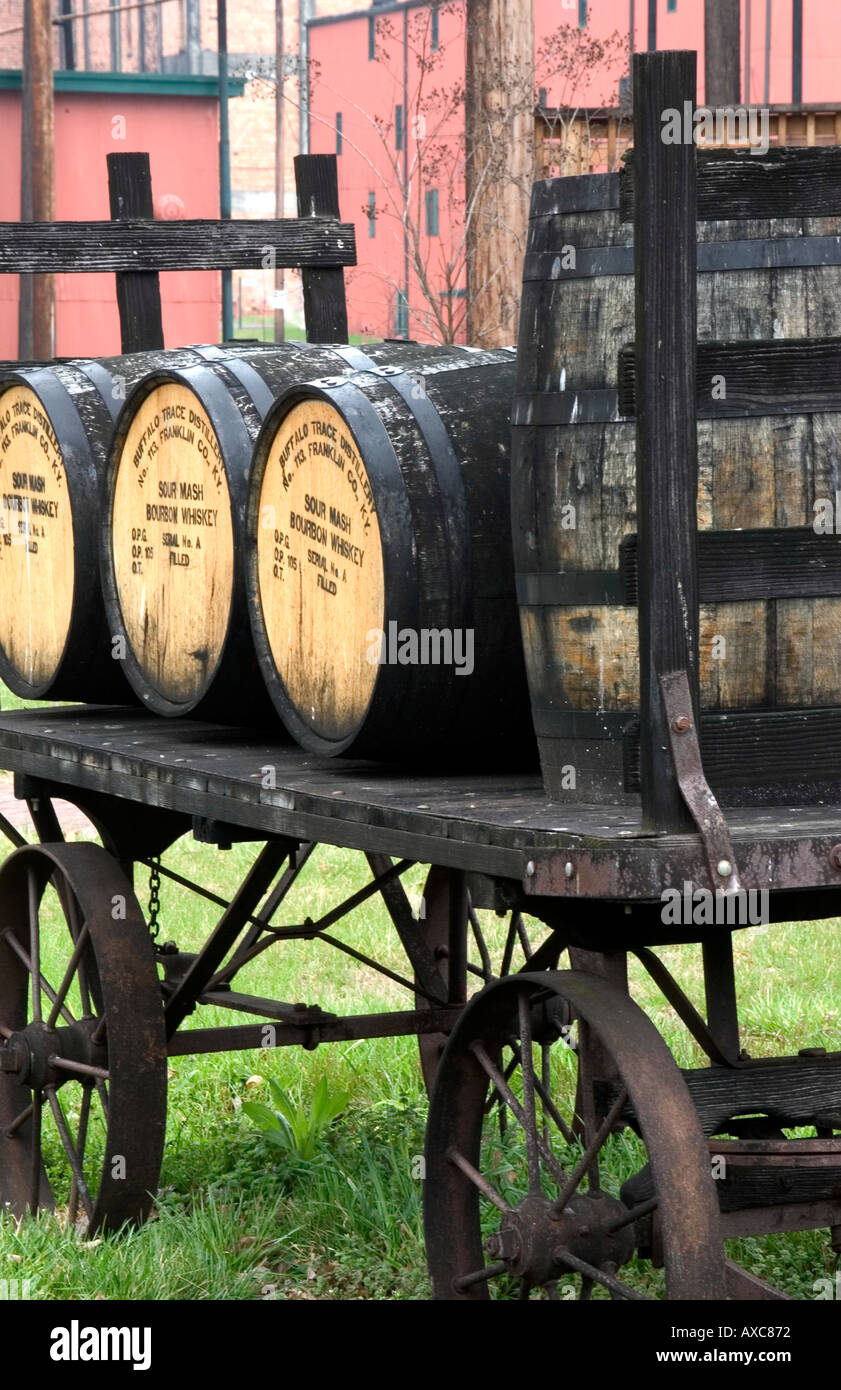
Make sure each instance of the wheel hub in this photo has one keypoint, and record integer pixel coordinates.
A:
(532, 1239)
(27, 1054)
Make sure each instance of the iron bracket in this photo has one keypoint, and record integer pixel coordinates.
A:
(694, 787)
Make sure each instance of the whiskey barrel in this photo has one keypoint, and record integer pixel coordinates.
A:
(55, 427)
(172, 529)
(574, 492)
(380, 568)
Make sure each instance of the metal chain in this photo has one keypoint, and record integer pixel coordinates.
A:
(154, 896)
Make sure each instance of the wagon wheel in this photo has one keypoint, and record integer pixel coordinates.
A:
(82, 1042)
(506, 1217)
(486, 960)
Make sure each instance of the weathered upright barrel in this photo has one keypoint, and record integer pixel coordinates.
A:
(55, 428)
(381, 576)
(574, 493)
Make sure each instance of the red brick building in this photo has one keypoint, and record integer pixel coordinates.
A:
(368, 103)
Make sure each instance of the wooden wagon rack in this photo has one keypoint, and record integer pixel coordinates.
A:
(591, 876)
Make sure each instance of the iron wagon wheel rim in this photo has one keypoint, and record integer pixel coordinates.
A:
(693, 1252)
(127, 1009)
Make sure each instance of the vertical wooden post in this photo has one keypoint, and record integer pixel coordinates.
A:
(722, 52)
(138, 292)
(325, 307)
(279, 170)
(720, 991)
(25, 340)
(37, 154)
(499, 163)
(666, 437)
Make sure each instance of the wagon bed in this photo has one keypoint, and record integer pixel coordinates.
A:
(498, 826)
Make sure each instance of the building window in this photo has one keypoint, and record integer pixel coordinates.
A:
(372, 214)
(372, 39)
(398, 127)
(542, 98)
(401, 316)
(434, 38)
(338, 132)
(582, 14)
(432, 212)
(671, 6)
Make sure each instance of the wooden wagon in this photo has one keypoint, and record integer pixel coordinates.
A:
(554, 1061)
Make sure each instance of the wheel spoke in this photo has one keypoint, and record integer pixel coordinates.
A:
(514, 1106)
(72, 1156)
(46, 987)
(494, 1097)
(599, 1276)
(18, 1121)
(72, 965)
(478, 1179)
(81, 1142)
(481, 944)
(77, 930)
(546, 1100)
(634, 1214)
(508, 952)
(102, 1092)
(591, 1151)
(34, 944)
(529, 1110)
(523, 936)
(83, 1068)
(35, 1172)
(481, 1276)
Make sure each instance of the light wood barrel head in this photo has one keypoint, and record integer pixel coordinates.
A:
(36, 539)
(320, 568)
(172, 542)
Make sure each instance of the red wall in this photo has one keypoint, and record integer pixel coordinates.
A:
(181, 136)
(347, 81)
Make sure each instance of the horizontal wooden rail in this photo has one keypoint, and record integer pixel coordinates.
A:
(138, 245)
(755, 376)
(757, 565)
(738, 184)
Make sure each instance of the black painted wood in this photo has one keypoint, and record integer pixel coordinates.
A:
(790, 755)
(138, 244)
(138, 292)
(784, 182)
(325, 305)
(666, 440)
(754, 253)
(793, 376)
(790, 562)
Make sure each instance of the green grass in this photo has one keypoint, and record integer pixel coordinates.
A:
(236, 1218)
(262, 327)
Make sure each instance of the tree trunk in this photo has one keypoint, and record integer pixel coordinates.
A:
(499, 160)
(722, 52)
